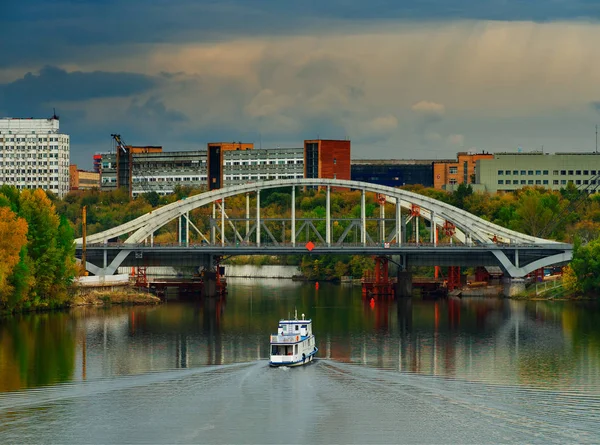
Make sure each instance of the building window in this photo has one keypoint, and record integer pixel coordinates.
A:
(515, 172)
(577, 172)
(586, 172)
(538, 172)
(530, 182)
(500, 172)
(523, 182)
(515, 182)
(545, 172)
(507, 172)
(563, 172)
(530, 172)
(545, 182)
(555, 182)
(593, 172)
(453, 170)
(578, 182)
(563, 182)
(501, 181)
(453, 181)
(538, 181)
(334, 162)
(570, 172)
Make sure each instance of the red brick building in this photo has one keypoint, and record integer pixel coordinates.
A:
(324, 158)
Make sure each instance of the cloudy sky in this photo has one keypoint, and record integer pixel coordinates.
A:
(400, 78)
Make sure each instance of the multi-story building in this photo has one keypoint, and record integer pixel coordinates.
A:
(157, 171)
(83, 179)
(262, 164)
(325, 158)
(162, 172)
(34, 154)
(448, 174)
(393, 172)
(512, 171)
(216, 160)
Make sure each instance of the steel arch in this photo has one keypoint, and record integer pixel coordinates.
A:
(469, 225)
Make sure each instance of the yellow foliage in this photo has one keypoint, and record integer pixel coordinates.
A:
(570, 281)
(13, 236)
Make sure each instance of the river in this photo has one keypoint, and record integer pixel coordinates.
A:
(471, 370)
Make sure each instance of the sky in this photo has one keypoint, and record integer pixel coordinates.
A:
(402, 79)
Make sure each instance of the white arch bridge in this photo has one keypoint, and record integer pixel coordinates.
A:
(468, 240)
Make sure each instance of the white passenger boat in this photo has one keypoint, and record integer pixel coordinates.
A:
(294, 344)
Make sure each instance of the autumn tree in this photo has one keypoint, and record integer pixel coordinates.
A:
(13, 239)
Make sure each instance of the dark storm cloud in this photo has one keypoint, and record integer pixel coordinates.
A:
(154, 109)
(51, 85)
(39, 30)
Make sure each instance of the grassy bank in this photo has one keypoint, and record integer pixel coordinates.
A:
(125, 296)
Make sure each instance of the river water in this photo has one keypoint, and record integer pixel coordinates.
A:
(476, 370)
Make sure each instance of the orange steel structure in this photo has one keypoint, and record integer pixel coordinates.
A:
(453, 278)
(377, 284)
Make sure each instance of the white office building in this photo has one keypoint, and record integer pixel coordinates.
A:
(508, 172)
(34, 154)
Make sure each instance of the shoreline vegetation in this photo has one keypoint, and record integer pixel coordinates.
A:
(38, 229)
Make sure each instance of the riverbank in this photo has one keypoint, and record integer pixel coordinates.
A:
(124, 296)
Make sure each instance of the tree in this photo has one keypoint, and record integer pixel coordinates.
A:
(13, 239)
(586, 265)
(42, 237)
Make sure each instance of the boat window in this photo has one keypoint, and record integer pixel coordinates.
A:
(295, 349)
(275, 350)
(297, 327)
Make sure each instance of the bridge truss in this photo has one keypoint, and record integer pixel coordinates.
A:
(463, 235)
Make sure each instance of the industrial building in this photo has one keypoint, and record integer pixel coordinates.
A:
(220, 165)
(392, 172)
(83, 179)
(448, 174)
(506, 172)
(34, 154)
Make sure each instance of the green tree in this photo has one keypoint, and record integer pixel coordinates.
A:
(42, 238)
(586, 265)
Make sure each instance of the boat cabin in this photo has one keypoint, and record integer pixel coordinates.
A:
(295, 327)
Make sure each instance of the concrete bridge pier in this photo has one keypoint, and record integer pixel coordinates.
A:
(209, 276)
(404, 284)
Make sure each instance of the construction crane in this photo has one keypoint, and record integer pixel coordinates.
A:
(125, 166)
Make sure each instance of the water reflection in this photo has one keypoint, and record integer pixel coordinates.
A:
(546, 344)
(36, 350)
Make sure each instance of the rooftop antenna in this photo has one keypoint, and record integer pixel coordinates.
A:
(596, 139)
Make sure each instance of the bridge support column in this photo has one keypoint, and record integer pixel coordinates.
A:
(213, 230)
(223, 222)
(247, 214)
(398, 222)
(432, 237)
(363, 219)
(517, 258)
(328, 217)
(258, 218)
(404, 284)
(416, 229)
(209, 284)
(382, 221)
(187, 229)
(293, 216)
